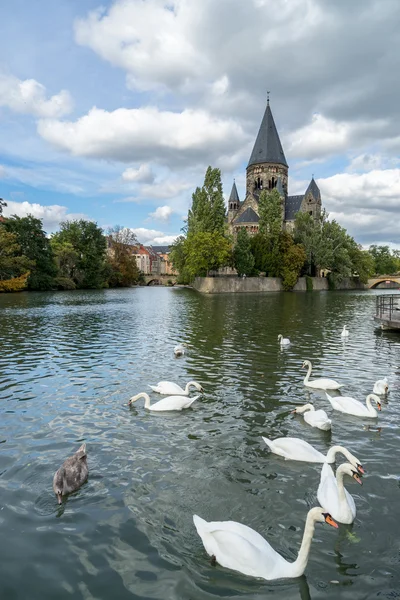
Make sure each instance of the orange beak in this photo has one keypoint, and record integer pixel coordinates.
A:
(357, 478)
(379, 406)
(360, 469)
(330, 521)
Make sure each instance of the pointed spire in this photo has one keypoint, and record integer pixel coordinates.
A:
(234, 197)
(268, 147)
(313, 189)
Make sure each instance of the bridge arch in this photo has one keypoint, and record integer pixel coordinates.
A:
(374, 283)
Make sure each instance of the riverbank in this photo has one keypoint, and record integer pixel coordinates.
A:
(240, 285)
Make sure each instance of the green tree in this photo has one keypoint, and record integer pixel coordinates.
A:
(243, 259)
(205, 252)
(89, 243)
(385, 261)
(36, 247)
(292, 261)
(123, 269)
(265, 245)
(12, 262)
(207, 213)
(177, 256)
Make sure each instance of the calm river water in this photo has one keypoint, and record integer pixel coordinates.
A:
(69, 363)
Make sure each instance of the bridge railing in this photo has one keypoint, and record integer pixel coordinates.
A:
(388, 306)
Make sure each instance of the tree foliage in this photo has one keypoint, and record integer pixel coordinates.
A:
(36, 247)
(207, 213)
(205, 251)
(243, 259)
(123, 269)
(293, 257)
(88, 243)
(14, 267)
(385, 262)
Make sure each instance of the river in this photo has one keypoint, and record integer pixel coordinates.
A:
(69, 363)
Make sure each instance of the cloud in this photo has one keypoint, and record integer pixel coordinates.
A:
(51, 215)
(142, 134)
(152, 237)
(29, 97)
(162, 213)
(143, 174)
(3, 172)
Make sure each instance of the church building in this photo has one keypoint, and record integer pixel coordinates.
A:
(268, 169)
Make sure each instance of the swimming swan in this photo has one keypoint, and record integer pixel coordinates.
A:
(333, 495)
(381, 387)
(351, 406)
(320, 384)
(170, 403)
(315, 418)
(345, 331)
(297, 449)
(240, 548)
(169, 387)
(283, 341)
(71, 475)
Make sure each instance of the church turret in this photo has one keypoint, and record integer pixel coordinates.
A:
(312, 199)
(267, 161)
(233, 203)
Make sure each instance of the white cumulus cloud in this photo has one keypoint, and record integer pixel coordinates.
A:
(162, 213)
(51, 215)
(143, 174)
(153, 237)
(29, 97)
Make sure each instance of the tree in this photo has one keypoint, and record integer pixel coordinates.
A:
(243, 259)
(2, 205)
(36, 247)
(207, 213)
(89, 244)
(265, 245)
(293, 258)
(385, 262)
(205, 252)
(124, 271)
(177, 256)
(13, 265)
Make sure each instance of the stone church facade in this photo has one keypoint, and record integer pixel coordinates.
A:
(268, 169)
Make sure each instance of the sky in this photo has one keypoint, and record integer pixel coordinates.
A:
(113, 110)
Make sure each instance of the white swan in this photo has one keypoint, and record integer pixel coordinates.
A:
(333, 495)
(345, 331)
(170, 403)
(283, 341)
(169, 387)
(320, 384)
(351, 406)
(240, 548)
(315, 418)
(297, 449)
(381, 387)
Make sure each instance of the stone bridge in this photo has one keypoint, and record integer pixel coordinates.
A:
(375, 281)
(159, 279)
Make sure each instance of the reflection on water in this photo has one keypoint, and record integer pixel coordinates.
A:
(69, 363)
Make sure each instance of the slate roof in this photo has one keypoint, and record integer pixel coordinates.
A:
(268, 147)
(248, 216)
(161, 249)
(234, 197)
(314, 189)
(292, 206)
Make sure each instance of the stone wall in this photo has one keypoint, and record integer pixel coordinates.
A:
(237, 285)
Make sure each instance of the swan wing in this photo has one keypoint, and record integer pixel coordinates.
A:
(240, 548)
(173, 403)
(319, 419)
(350, 406)
(169, 387)
(324, 384)
(294, 449)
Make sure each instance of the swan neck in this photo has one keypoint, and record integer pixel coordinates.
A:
(369, 405)
(331, 455)
(306, 378)
(301, 561)
(340, 485)
(146, 399)
(303, 409)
